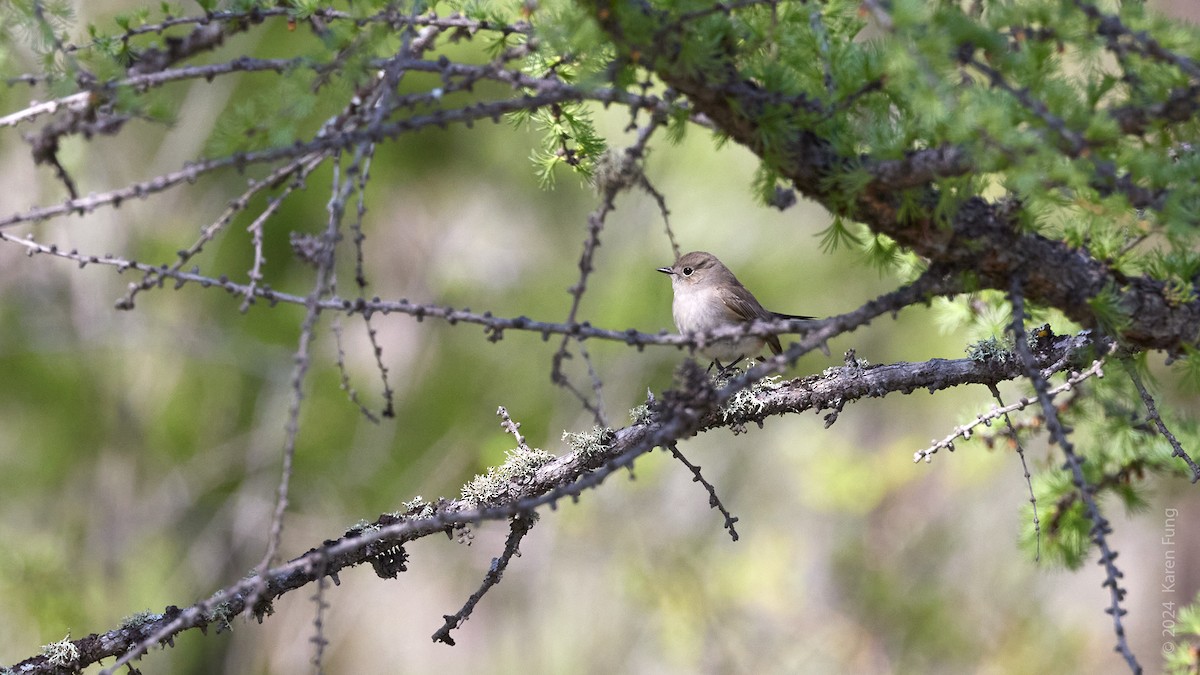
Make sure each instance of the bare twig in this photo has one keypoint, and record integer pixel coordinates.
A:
(494, 110)
(325, 280)
(597, 386)
(345, 374)
(1058, 434)
(1152, 410)
(1037, 524)
(619, 175)
(494, 326)
(714, 502)
(964, 432)
(511, 427)
(297, 170)
(319, 641)
(519, 526)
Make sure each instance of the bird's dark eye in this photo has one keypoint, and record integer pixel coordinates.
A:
(687, 271)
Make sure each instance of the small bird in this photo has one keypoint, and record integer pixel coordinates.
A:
(707, 297)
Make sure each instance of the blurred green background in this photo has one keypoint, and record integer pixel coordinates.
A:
(139, 451)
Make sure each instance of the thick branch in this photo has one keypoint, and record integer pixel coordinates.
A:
(984, 239)
(566, 476)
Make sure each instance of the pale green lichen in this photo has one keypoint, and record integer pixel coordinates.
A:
(416, 508)
(484, 489)
(853, 363)
(364, 525)
(62, 653)
(589, 443)
(523, 463)
(640, 414)
(644, 413)
(990, 349)
(749, 401)
(518, 468)
(222, 616)
(139, 619)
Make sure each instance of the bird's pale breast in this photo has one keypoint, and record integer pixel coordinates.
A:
(698, 310)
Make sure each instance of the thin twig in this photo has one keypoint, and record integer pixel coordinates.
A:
(597, 386)
(299, 168)
(1152, 410)
(345, 374)
(494, 110)
(494, 326)
(325, 279)
(1058, 434)
(643, 181)
(519, 526)
(511, 427)
(619, 176)
(964, 432)
(319, 641)
(1012, 431)
(714, 502)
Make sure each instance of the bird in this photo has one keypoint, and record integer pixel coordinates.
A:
(708, 296)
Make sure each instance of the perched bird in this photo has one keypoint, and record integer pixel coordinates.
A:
(707, 297)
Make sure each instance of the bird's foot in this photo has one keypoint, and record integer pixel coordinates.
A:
(725, 370)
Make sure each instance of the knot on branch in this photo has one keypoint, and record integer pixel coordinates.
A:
(390, 562)
(976, 218)
(694, 394)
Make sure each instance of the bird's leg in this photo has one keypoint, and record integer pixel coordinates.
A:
(724, 369)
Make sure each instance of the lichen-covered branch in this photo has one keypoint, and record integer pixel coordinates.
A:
(678, 415)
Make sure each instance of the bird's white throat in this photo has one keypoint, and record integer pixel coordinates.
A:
(697, 309)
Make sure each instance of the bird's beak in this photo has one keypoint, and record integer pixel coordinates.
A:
(666, 270)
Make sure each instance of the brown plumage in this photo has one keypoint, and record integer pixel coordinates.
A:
(709, 296)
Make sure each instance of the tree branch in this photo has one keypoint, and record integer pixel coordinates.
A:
(983, 238)
(678, 415)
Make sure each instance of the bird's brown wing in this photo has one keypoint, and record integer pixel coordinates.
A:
(743, 304)
(746, 308)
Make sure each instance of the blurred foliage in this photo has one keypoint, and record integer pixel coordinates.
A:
(1181, 621)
